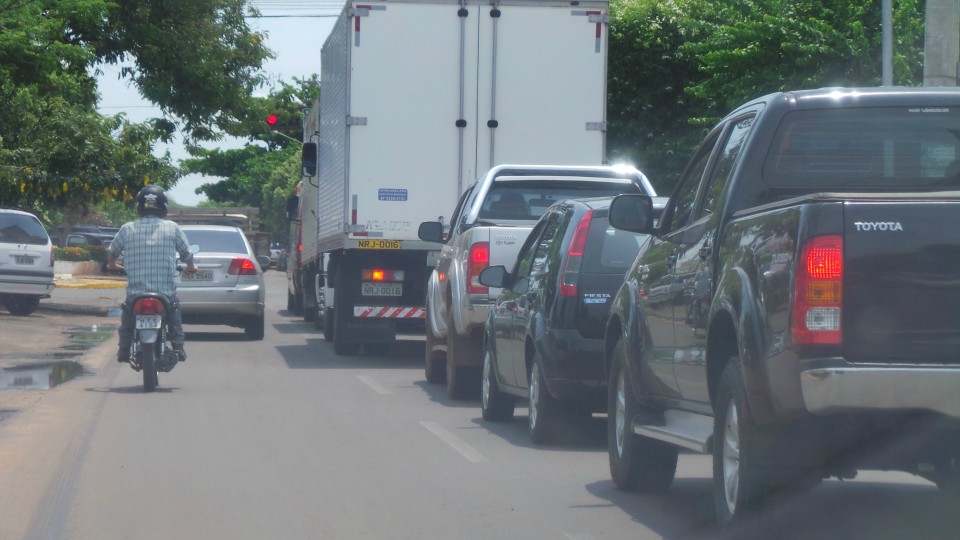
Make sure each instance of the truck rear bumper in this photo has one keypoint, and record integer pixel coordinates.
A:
(835, 389)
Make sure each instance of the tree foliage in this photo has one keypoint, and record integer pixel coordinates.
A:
(196, 59)
(676, 67)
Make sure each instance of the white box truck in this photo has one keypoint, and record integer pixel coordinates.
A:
(418, 99)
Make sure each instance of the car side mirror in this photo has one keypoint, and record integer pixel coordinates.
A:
(495, 276)
(431, 231)
(632, 212)
(264, 261)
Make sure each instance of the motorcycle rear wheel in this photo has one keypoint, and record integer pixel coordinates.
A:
(148, 364)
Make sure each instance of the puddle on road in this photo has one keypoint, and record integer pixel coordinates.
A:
(60, 369)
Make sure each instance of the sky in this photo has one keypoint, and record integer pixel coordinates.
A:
(294, 33)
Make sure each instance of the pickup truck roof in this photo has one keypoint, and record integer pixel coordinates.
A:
(615, 174)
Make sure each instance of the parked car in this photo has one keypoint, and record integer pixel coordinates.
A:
(543, 339)
(228, 287)
(276, 254)
(26, 262)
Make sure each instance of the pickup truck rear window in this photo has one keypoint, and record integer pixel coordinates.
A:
(866, 148)
(527, 200)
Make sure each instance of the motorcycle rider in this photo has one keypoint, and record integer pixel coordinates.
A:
(149, 246)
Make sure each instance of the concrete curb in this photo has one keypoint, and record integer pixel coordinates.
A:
(100, 311)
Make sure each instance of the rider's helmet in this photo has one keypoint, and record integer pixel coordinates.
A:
(152, 201)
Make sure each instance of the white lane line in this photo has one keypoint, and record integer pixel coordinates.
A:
(377, 387)
(465, 449)
(570, 536)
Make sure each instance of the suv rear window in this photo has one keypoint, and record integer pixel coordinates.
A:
(609, 250)
(217, 241)
(22, 229)
(528, 200)
(866, 148)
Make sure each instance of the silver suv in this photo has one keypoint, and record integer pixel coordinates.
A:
(26, 262)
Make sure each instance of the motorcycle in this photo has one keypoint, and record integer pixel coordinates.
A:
(150, 351)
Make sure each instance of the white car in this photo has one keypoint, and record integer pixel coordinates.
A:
(228, 287)
(26, 262)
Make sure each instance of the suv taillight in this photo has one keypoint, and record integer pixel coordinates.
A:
(571, 266)
(477, 259)
(818, 296)
(242, 267)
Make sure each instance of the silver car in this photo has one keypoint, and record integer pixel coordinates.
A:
(228, 287)
(26, 262)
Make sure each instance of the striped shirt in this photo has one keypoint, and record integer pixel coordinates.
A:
(149, 247)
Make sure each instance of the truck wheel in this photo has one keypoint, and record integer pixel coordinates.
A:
(545, 414)
(461, 380)
(340, 344)
(328, 325)
(21, 305)
(494, 404)
(746, 467)
(636, 463)
(434, 368)
(306, 307)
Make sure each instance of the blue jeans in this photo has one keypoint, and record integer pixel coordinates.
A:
(128, 323)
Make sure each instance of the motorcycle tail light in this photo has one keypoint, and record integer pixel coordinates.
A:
(242, 267)
(148, 306)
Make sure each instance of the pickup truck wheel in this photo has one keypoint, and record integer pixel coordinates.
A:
(494, 404)
(545, 411)
(636, 463)
(461, 380)
(434, 368)
(747, 470)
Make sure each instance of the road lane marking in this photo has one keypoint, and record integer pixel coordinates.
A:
(377, 387)
(465, 449)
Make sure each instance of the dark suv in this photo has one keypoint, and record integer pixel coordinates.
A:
(543, 339)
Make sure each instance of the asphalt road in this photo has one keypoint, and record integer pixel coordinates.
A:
(280, 438)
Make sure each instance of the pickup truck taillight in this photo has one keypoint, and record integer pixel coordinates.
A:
(477, 260)
(571, 266)
(817, 299)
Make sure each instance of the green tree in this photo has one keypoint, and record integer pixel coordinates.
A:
(677, 67)
(196, 59)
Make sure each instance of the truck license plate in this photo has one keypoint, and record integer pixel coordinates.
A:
(148, 322)
(378, 244)
(382, 289)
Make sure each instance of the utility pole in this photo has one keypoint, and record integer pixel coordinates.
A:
(887, 42)
(941, 50)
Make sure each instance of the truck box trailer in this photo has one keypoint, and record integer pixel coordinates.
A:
(418, 99)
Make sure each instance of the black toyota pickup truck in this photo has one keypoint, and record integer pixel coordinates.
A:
(797, 313)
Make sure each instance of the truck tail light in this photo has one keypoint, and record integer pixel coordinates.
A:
(379, 274)
(242, 267)
(571, 266)
(818, 296)
(477, 259)
(148, 306)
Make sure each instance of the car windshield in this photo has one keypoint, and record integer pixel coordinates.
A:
(866, 148)
(21, 229)
(528, 200)
(223, 241)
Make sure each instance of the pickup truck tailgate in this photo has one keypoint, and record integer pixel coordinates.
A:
(901, 301)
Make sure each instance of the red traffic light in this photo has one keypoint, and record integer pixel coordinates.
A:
(272, 120)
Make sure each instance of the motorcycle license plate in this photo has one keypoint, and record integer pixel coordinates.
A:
(148, 322)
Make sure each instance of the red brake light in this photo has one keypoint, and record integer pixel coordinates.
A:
(571, 266)
(818, 296)
(477, 260)
(242, 267)
(148, 306)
